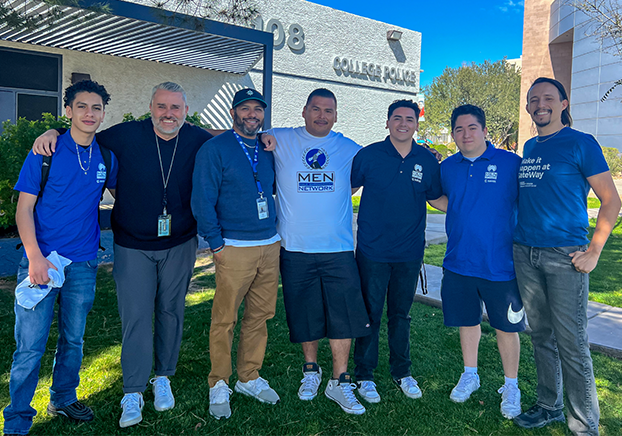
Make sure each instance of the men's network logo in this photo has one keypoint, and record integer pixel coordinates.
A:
(315, 158)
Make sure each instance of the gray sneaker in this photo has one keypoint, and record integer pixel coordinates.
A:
(219, 400)
(258, 389)
(409, 386)
(164, 399)
(342, 392)
(132, 405)
(510, 401)
(311, 381)
(468, 383)
(367, 390)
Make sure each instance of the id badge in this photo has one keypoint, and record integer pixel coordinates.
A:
(262, 208)
(164, 225)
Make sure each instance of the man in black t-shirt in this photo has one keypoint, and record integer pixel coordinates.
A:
(155, 240)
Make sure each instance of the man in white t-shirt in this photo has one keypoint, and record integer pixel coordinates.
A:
(321, 285)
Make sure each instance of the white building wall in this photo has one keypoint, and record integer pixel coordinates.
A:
(363, 93)
(594, 71)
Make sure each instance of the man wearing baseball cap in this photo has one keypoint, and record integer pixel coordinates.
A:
(232, 201)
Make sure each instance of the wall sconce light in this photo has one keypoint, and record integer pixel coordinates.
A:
(394, 35)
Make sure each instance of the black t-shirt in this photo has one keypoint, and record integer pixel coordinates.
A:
(140, 189)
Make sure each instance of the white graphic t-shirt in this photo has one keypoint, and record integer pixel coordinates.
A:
(314, 197)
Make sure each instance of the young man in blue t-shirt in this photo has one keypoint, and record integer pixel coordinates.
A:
(481, 187)
(398, 177)
(553, 256)
(65, 220)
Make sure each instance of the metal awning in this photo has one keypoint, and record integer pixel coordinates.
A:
(138, 32)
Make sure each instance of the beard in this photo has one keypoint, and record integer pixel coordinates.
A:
(541, 123)
(239, 123)
(162, 129)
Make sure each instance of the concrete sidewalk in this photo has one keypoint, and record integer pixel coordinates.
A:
(604, 322)
(604, 325)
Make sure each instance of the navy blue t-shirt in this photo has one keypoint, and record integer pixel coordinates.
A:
(481, 213)
(553, 188)
(392, 214)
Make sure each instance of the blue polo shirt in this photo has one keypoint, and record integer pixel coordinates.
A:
(66, 214)
(553, 187)
(392, 214)
(481, 213)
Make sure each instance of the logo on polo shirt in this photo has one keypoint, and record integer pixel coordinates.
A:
(316, 180)
(491, 174)
(101, 173)
(417, 174)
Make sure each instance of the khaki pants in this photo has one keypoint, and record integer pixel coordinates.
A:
(250, 274)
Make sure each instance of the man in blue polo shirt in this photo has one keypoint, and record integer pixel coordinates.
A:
(64, 221)
(398, 177)
(481, 187)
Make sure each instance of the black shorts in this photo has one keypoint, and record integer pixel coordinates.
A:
(462, 298)
(322, 295)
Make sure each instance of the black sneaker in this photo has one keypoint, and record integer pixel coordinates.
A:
(538, 417)
(75, 411)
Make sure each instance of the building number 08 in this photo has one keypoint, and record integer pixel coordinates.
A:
(295, 40)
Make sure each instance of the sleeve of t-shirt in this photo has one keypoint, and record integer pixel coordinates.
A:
(206, 181)
(112, 176)
(29, 180)
(590, 156)
(357, 178)
(111, 138)
(436, 189)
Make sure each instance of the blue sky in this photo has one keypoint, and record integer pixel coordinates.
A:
(453, 31)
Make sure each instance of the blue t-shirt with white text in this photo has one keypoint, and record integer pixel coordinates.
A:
(553, 188)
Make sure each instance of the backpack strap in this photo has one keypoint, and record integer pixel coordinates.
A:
(107, 158)
(45, 174)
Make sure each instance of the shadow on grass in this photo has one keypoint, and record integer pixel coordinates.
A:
(435, 353)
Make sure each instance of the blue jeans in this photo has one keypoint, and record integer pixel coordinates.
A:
(398, 283)
(555, 297)
(32, 328)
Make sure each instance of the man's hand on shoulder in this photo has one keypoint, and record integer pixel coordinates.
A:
(436, 154)
(45, 144)
(268, 141)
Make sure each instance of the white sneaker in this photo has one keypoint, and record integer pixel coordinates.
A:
(510, 401)
(342, 392)
(409, 386)
(468, 383)
(132, 405)
(258, 389)
(367, 391)
(163, 394)
(219, 400)
(310, 382)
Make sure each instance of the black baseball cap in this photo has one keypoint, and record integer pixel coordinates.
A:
(248, 94)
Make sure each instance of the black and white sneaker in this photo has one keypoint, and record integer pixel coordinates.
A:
(75, 411)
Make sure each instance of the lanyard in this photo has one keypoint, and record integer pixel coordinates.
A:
(165, 180)
(253, 161)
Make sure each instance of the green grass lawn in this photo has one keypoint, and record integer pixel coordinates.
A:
(605, 280)
(436, 365)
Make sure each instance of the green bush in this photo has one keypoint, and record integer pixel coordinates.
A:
(195, 119)
(613, 156)
(15, 143)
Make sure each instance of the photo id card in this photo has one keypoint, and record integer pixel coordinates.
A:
(262, 208)
(164, 225)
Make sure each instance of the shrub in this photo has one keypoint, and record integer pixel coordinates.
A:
(15, 143)
(195, 119)
(613, 156)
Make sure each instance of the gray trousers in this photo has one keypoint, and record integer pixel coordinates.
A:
(148, 283)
